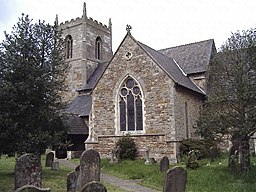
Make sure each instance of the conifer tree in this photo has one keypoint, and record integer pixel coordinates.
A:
(32, 75)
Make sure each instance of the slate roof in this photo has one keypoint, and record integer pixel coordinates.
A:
(91, 83)
(80, 106)
(77, 125)
(193, 57)
(172, 69)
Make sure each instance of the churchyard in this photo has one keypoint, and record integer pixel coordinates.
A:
(210, 176)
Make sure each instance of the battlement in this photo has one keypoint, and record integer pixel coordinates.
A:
(80, 20)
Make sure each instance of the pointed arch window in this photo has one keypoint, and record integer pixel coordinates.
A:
(98, 48)
(69, 47)
(130, 106)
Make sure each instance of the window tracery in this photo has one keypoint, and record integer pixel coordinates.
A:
(130, 106)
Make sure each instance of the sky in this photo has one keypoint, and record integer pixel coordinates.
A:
(156, 23)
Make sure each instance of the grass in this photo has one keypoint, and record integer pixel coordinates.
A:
(55, 180)
(212, 177)
(209, 177)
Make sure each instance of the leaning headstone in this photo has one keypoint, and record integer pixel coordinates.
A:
(175, 180)
(49, 159)
(31, 188)
(164, 164)
(213, 153)
(89, 167)
(73, 183)
(28, 171)
(94, 186)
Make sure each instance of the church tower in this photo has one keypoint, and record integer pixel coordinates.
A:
(88, 43)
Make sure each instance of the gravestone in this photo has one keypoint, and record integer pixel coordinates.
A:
(31, 188)
(89, 167)
(28, 171)
(147, 162)
(175, 180)
(49, 159)
(213, 153)
(94, 186)
(164, 164)
(56, 166)
(73, 183)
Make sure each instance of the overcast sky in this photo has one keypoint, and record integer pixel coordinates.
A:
(157, 23)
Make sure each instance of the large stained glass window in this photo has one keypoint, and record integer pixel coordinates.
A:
(130, 106)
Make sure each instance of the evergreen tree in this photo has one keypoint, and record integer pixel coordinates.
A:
(32, 75)
(230, 109)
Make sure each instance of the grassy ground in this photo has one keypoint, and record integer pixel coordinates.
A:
(56, 180)
(212, 177)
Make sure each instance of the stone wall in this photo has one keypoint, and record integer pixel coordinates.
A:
(157, 90)
(158, 147)
(187, 105)
(84, 32)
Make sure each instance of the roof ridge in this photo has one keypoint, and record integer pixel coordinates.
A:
(186, 44)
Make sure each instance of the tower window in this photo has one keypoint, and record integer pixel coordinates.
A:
(69, 47)
(98, 48)
(130, 106)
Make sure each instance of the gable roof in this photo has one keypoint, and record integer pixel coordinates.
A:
(172, 69)
(82, 104)
(193, 57)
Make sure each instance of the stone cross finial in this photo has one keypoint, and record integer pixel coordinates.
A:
(128, 28)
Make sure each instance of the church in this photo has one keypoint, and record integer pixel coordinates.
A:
(152, 95)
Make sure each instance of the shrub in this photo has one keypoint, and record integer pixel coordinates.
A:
(127, 147)
(201, 147)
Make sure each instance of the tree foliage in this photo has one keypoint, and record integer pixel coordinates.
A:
(230, 109)
(32, 75)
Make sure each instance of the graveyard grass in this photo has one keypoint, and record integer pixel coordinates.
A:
(209, 177)
(56, 180)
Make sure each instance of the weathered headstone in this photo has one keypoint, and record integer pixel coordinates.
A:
(49, 159)
(56, 166)
(213, 153)
(31, 188)
(28, 171)
(175, 180)
(164, 164)
(89, 167)
(73, 183)
(147, 158)
(112, 157)
(94, 186)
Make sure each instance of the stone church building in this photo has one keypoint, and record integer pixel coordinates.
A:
(152, 95)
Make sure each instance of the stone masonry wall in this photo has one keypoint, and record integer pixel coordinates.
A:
(84, 32)
(158, 101)
(158, 147)
(194, 101)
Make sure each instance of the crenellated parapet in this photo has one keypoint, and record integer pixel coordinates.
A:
(82, 20)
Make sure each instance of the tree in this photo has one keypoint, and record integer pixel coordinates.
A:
(32, 75)
(230, 109)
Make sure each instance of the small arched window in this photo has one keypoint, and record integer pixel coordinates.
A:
(69, 47)
(98, 48)
(130, 106)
